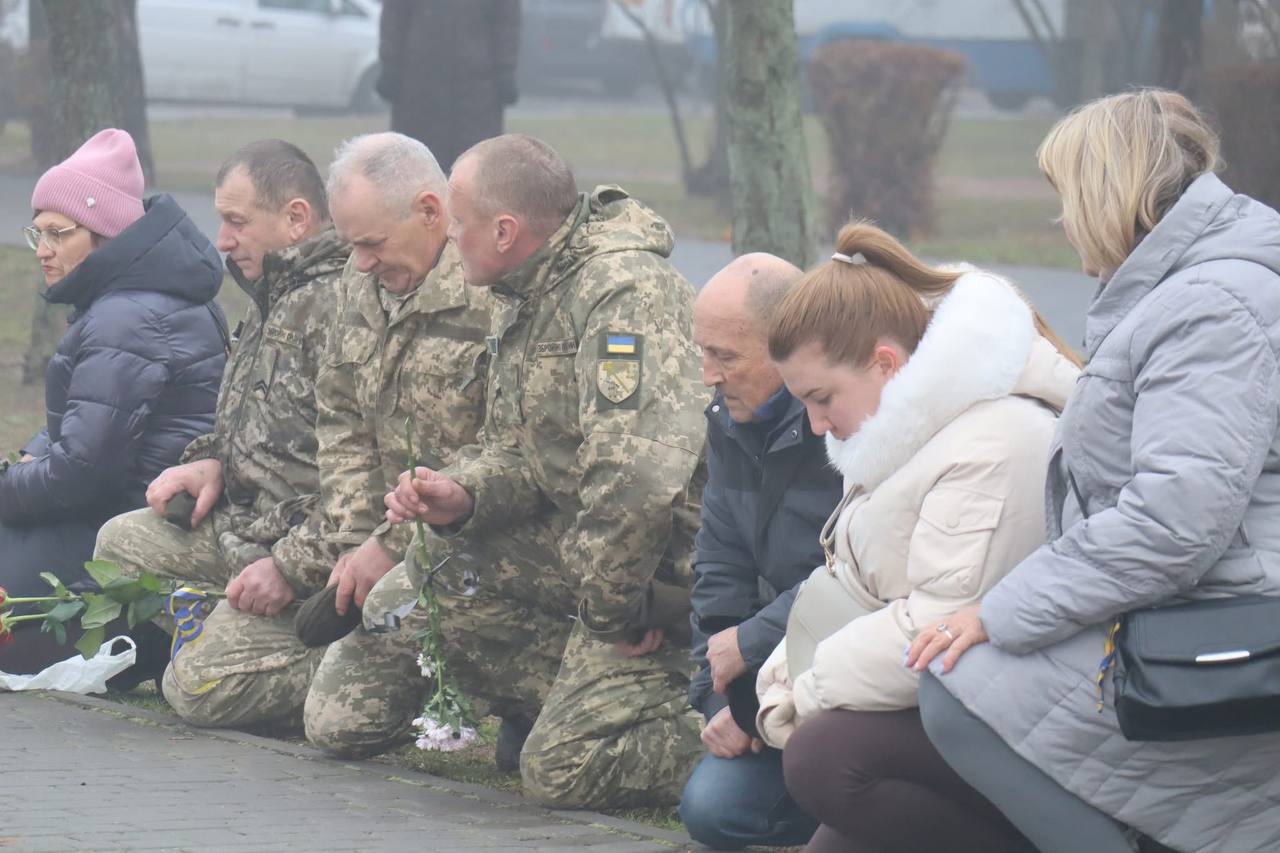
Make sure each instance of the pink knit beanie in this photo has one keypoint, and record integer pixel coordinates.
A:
(99, 186)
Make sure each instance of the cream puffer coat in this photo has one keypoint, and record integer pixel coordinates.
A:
(944, 493)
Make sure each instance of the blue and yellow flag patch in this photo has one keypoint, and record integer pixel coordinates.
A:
(619, 371)
(620, 345)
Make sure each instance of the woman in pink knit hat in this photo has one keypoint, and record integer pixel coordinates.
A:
(135, 376)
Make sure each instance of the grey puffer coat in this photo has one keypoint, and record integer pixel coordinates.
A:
(1171, 439)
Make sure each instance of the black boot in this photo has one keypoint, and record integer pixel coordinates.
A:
(152, 658)
(511, 737)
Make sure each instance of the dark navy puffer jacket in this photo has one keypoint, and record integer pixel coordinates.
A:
(135, 377)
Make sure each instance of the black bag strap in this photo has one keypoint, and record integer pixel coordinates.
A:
(1075, 491)
(221, 322)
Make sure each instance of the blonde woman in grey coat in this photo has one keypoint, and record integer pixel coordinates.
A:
(1164, 483)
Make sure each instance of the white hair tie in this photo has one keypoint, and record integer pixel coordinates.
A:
(854, 260)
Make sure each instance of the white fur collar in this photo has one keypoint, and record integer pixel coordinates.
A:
(974, 348)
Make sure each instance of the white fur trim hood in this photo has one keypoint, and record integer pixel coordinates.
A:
(975, 348)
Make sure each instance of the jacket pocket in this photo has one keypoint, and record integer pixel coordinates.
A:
(354, 345)
(948, 550)
(441, 382)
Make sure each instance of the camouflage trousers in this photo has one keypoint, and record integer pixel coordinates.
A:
(242, 669)
(499, 644)
(611, 731)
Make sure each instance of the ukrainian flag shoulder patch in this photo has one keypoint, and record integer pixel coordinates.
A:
(620, 344)
(619, 371)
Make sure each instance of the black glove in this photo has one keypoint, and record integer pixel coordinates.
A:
(178, 510)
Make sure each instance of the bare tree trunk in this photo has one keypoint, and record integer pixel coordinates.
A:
(132, 87)
(768, 160)
(92, 74)
(47, 320)
(712, 177)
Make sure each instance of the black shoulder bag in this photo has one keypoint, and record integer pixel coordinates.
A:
(1197, 669)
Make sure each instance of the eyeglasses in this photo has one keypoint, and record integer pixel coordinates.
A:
(51, 237)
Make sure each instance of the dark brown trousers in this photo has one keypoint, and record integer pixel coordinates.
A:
(878, 786)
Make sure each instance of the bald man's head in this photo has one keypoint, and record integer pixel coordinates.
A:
(749, 287)
(730, 325)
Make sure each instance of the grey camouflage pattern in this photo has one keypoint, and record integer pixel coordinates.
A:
(424, 362)
(242, 669)
(593, 441)
(369, 686)
(246, 668)
(615, 732)
(265, 431)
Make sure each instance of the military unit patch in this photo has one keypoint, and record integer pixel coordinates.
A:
(549, 348)
(617, 380)
(282, 335)
(618, 372)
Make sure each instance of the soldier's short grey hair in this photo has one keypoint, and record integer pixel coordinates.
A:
(280, 172)
(399, 167)
(524, 176)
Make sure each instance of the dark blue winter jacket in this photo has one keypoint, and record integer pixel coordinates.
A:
(135, 377)
(769, 491)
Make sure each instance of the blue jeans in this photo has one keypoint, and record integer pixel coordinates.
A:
(730, 803)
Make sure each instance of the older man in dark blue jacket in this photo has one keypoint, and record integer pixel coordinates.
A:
(768, 494)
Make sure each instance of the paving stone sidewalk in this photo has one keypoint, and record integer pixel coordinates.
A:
(85, 774)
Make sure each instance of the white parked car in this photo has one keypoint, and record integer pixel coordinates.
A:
(303, 53)
(293, 53)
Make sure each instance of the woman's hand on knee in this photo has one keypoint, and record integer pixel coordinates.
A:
(951, 637)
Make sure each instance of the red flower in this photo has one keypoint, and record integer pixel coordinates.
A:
(4, 596)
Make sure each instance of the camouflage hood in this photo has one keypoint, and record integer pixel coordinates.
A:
(291, 268)
(604, 222)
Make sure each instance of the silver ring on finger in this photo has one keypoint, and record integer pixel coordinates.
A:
(943, 629)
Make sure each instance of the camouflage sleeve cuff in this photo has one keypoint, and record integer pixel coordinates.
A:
(486, 512)
(206, 446)
(394, 539)
(304, 561)
(664, 606)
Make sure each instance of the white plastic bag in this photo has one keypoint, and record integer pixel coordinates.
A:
(75, 674)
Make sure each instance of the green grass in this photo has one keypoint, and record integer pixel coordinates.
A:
(144, 696)
(1014, 231)
(994, 148)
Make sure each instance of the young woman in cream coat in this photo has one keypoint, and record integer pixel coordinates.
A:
(938, 391)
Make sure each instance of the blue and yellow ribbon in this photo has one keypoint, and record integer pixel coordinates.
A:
(1108, 660)
(185, 606)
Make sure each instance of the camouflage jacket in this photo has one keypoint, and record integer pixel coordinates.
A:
(595, 403)
(425, 362)
(264, 434)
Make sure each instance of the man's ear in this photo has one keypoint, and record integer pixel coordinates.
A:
(429, 206)
(299, 216)
(506, 230)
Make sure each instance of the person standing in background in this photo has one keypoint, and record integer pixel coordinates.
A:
(449, 69)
